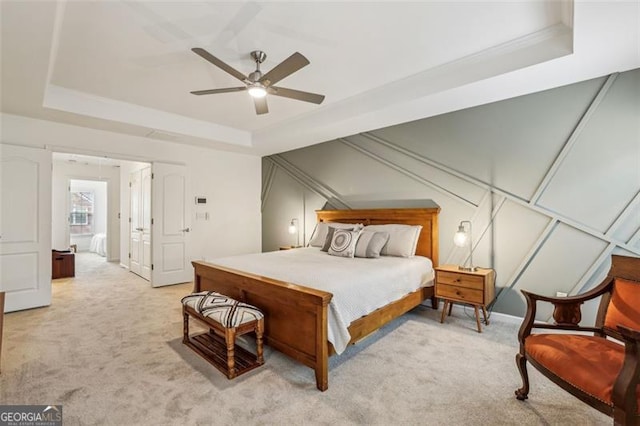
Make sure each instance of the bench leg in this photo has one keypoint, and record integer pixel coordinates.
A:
(185, 326)
(259, 342)
(230, 339)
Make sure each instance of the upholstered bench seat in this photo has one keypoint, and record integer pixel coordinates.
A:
(589, 363)
(224, 310)
(226, 318)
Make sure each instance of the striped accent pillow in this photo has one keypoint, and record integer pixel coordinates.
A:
(370, 244)
(226, 311)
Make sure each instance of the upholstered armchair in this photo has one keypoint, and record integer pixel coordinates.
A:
(600, 365)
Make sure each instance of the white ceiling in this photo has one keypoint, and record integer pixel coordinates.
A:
(127, 66)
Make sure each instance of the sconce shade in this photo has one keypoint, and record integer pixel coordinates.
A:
(461, 238)
(294, 229)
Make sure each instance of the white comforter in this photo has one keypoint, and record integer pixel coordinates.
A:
(359, 286)
(99, 244)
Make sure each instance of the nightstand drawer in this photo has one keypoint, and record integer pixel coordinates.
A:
(461, 280)
(459, 293)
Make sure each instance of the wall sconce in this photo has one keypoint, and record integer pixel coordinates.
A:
(294, 228)
(461, 239)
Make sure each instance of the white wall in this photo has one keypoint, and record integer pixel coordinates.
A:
(62, 173)
(230, 181)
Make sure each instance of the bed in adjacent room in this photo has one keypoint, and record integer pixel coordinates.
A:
(99, 244)
(317, 302)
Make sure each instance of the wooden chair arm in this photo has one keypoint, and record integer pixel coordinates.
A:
(580, 298)
(624, 388)
(629, 334)
(567, 313)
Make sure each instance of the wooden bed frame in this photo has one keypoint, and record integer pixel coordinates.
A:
(296, 316)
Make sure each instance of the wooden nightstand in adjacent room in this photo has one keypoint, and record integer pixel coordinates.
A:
(475, 288)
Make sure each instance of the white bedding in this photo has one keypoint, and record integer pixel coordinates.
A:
(359, 286)
(99, 244)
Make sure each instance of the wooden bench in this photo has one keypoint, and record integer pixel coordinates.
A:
(227, 319)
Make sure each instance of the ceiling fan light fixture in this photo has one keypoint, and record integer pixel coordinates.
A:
(257, 90)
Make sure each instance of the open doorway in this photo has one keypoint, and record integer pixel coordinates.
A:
(85, 205)
(87, 219)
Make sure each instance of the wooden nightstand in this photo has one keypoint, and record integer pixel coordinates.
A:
(473, 288)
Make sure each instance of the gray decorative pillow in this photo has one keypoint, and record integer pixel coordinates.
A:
(344, 243)
(332, 229)
(403, 239)
(370, 243)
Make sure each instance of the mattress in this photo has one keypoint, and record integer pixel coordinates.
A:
(359, 286)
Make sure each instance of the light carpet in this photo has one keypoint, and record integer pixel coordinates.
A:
(109, 350)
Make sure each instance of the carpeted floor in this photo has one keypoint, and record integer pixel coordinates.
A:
(109, 350)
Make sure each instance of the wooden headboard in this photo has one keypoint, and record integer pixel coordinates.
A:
(427, 217)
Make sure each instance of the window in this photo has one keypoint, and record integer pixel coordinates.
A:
(81, 215)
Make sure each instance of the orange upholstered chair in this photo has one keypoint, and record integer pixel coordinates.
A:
(589, 364)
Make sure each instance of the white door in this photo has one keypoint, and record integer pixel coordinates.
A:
(145, 220)
(135, 224)
(140, 228)
(25, 227)
(170, 225)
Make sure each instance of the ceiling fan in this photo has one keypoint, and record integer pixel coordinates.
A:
(257, 84)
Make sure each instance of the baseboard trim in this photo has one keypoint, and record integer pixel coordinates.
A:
(122, 265)
(496, 316)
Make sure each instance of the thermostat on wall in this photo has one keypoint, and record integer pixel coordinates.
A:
(201, 200)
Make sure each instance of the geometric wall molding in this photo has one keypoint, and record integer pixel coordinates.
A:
(550, 181)
(309, 182)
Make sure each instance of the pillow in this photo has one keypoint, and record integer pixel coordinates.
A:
(322, 228)
(344, 243)
(327, 241)
(403, 239)
(370, 243)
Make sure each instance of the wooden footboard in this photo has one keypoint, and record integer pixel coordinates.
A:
(296, 316)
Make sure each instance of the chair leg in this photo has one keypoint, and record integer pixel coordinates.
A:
(523, 392)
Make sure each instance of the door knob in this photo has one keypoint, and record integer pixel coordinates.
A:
(139, 229)
(185, 230)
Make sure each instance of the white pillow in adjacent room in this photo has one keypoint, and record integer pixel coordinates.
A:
(403, 239)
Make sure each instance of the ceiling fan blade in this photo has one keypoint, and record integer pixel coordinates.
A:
(296, 94)
(218, 63)
(261, 105)
(285, 68)
(214, 91)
